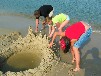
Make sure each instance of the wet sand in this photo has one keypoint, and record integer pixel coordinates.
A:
(90, 57)
(90, 52)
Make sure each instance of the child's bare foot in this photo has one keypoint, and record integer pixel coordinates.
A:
(76, 69)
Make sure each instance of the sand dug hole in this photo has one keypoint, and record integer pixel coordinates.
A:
(26, 54)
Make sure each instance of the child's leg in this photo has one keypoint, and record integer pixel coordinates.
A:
(77, 57)
(81, 40)
(73, 56)
(62, 25)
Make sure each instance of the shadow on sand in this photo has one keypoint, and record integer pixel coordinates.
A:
(92, 65)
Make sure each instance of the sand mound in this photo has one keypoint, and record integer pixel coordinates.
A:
(13, 44)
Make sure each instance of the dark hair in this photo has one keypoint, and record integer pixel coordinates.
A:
(65, 41)
(37, 12)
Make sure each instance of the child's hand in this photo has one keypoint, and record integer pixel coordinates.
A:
(50, 36)
(60, 30)
(50, 45)
(36, 30)
(44, 23)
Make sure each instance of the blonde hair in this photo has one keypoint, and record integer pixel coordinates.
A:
(48, 19)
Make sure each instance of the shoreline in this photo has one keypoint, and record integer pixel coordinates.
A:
(90, 52)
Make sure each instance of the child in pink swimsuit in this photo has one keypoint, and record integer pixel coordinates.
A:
(78, 33)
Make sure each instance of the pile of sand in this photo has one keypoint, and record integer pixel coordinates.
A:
(53, 62)
(50, 64)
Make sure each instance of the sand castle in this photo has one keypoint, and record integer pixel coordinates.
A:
(38, 45)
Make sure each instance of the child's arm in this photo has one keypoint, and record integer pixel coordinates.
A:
(37, 23)
(53, 38)
(52, 31)
(64, 23)
(73, 42)
(55, 35)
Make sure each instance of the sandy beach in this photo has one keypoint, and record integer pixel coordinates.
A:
(90, 57)
(25, 53)
(90, 52)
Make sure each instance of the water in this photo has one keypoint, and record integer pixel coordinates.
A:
(11, 23)
(87, 10)
(21, 61)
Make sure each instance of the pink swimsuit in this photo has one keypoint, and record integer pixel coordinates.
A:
(75, 30)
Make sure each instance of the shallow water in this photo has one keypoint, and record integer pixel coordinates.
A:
(21, 61)
(18, 23)
(11, 23)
